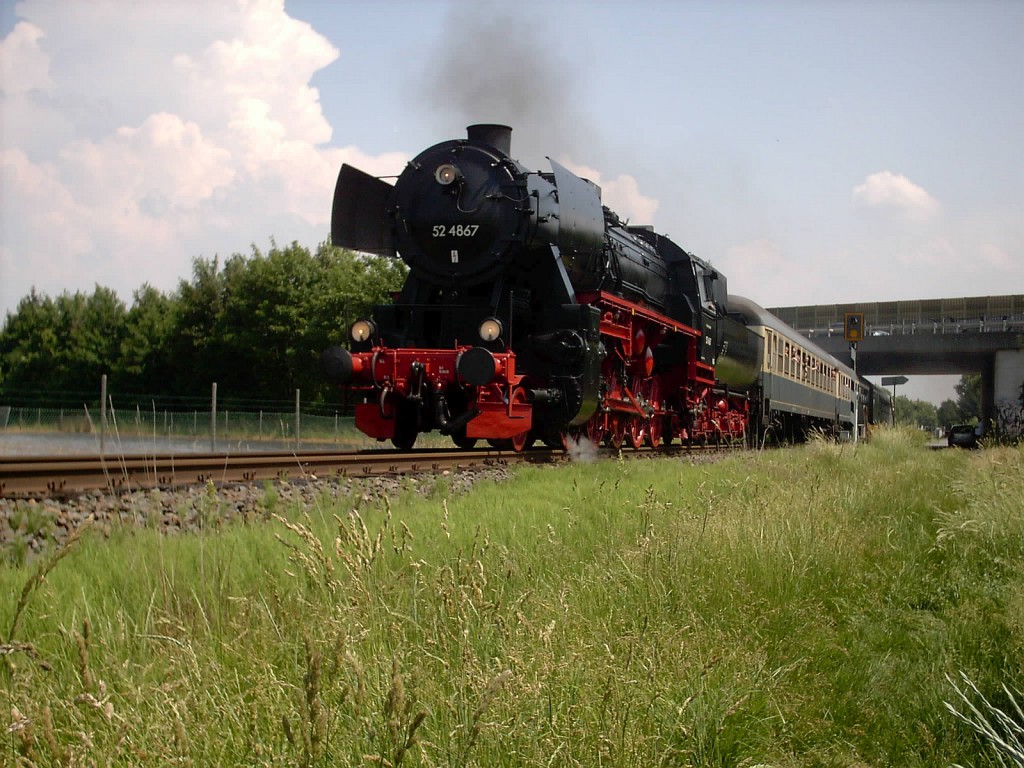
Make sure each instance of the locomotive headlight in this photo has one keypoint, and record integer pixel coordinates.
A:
(363, 330)
(447, 174)
(490, 329)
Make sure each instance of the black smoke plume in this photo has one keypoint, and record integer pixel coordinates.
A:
(495, 66)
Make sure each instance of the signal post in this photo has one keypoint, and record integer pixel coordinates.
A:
(853, 332)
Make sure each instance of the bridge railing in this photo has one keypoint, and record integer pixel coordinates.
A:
(937, 327)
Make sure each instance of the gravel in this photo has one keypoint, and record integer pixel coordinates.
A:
(29, 527)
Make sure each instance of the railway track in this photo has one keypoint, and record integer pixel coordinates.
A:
(63, 476)
(68, 475)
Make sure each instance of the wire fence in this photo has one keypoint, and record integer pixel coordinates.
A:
(203, 426)
(259, 425)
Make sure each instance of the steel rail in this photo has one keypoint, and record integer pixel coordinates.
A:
(63, 476)
(68, 475)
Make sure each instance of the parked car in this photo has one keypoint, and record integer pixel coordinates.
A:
(962, 436)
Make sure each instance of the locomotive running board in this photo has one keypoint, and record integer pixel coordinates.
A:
(597, 298)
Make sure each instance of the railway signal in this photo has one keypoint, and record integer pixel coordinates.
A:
(853, 326)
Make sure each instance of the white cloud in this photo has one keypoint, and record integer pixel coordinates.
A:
(126, 156)
(43, 230)
(931, 253)
(621, 194)
(996, 257)
(893, 191)
(43, 215)
(165, 156)
(762, 270)
(24, 65)
(756, 257)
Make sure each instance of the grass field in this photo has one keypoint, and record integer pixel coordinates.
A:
(811, 607)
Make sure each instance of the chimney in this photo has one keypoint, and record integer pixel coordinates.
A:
(498, 136)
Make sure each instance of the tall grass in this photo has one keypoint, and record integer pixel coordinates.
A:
(798, 608)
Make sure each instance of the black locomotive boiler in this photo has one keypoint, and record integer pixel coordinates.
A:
(531, 311)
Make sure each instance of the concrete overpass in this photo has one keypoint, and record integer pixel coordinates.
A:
(934, 336)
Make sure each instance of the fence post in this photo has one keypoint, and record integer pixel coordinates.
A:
(298, 438)
(103, 411)
(213, 417)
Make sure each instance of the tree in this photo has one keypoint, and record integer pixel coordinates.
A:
(968, 399)
(267, 317)
(949, 414)
(144, 365)
(27, 342)
(62, 345)
(90, 331)
(353, 284)
(196, 350)
(257, 326)
(915, 413)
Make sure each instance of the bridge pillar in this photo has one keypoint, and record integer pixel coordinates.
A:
(1007, 404)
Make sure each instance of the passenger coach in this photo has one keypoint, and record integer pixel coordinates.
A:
(801, 386)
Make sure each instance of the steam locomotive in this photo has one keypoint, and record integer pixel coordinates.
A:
(532, 312)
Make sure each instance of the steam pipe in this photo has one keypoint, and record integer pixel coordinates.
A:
(446, 425)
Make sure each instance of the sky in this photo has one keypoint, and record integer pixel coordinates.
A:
(813, 151)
